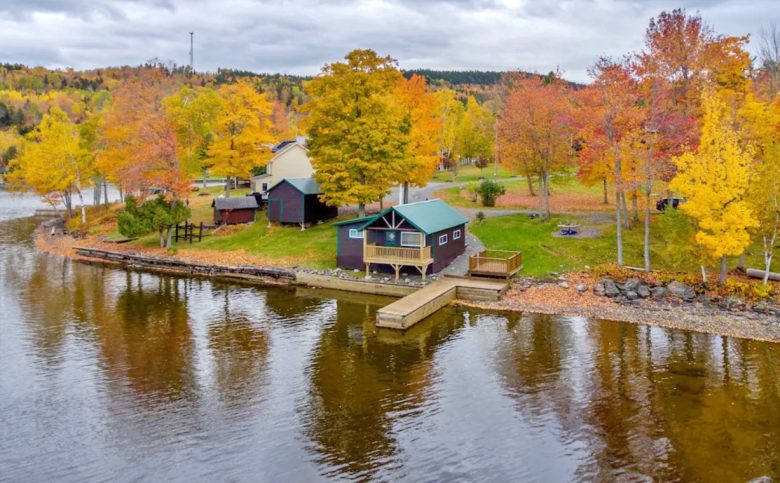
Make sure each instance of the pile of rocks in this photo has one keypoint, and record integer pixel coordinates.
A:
(633, 290)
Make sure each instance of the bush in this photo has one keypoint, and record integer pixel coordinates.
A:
(489, 190)
(746, 290)
(473, 190)
(480, 216)
(76, 228)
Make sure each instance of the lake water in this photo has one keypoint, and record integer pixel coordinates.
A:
(107, 374)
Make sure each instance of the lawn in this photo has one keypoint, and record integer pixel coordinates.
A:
(471, 173)
(544, 253)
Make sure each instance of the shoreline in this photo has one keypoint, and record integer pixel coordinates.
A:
(524, 296)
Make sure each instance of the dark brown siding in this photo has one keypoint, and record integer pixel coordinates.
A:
(234, 217)
(316, 211)
(443, 255)
(350, 250)
(285, 204)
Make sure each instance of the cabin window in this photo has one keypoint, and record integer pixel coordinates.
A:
(265, 186)
(411, 239)
(456, 235)
(354, 233)
(442, 239)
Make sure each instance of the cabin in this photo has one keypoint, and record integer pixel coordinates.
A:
(297, 200)
(290, 160)
(234, 211)
(427, 235)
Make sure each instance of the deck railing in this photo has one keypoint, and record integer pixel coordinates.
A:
(380, 254)
(500, 263)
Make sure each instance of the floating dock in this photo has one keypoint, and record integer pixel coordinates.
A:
(413, 308)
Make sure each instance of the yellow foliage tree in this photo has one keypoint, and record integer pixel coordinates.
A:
(242, 134)
(715, 179)
(54, 161)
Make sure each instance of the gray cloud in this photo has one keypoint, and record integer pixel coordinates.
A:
(299, 36)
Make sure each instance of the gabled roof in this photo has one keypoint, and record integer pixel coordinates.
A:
(306, 186)
(352, 221)
(238, 203)
(429, 217)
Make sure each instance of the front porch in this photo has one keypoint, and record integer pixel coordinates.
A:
(397, 257)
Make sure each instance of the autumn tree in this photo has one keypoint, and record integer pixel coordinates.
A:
(608, 114)
(450, 114)
(420, 110)
(358, 133)
(715, 180)
(761, 125)
(53, 160)
(242, 135)
(476, 132)
(535, 131)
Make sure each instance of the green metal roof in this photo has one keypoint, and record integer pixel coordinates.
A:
(351, 221)
(306, 186)
(427, 216)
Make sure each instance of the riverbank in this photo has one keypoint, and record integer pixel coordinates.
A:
(571, 295)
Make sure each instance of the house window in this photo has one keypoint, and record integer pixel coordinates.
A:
(456, 235)
(411, 239)
(265, 186)
(442, 239)
(354, 233)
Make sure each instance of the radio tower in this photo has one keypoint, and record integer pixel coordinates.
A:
(192, 66)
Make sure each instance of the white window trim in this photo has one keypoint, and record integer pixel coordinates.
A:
(419, 240)
(355, 233)
(456, 235)
(443, 237)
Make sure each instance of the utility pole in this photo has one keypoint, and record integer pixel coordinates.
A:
(192, 66)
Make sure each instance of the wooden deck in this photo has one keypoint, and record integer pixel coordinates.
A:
(495, 263)
(413, 308)
(397, 257)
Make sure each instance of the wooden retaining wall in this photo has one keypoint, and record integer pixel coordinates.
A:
(353, 285)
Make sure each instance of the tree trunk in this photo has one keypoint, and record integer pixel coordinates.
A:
(547, 195)
(635, 206)
(405, 199)
(105, 192)
(162, 238)
(604, 184)
(619, 225)
(361, 210)
(96, 192)
(530, 182)
(83, 208)
(626, 223)
(767, 266)
(540, 197)
(227, 186)
(647, 226)
(703, 274)
(381, 203)
(205, 179)
(169, 242)
(742, 262)
(723, 269)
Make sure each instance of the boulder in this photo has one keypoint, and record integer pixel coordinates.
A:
(681, 291)
(643, 291)
(731, 303)
(658, 292)
(598, 288)
(631, 285)
(631, 295)
(610, 289)
(582, 288)
(563, 284)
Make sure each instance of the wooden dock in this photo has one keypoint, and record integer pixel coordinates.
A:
(413, 308)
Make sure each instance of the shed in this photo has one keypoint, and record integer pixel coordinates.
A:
(296, 200)
(232, 211)
(427, 235)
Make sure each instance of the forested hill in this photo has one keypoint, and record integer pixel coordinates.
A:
(458, 77)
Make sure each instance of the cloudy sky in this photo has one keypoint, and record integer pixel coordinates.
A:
(299, 36)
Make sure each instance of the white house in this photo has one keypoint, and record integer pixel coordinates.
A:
(290, 160)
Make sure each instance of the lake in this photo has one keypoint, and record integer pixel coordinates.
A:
(109, 374)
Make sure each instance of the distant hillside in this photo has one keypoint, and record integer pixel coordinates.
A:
(458, 77)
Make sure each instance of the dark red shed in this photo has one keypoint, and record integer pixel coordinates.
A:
(232, 211)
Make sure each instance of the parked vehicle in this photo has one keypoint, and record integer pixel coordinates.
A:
(664, 202)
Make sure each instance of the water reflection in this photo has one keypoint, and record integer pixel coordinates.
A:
(181, 379)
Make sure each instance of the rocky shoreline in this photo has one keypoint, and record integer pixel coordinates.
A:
(672, 305)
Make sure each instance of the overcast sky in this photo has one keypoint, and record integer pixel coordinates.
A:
(298, 37)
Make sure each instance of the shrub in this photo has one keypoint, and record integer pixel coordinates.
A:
(480, 217)
(489, 190)
(76, 228)
(473, 190)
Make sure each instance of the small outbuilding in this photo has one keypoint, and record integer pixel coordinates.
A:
(234, 211)
(297, 200)
(427, 235)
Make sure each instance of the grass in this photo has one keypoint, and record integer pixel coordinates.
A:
(544, 253)
(471, 173)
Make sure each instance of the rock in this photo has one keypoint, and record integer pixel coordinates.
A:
(704, 299)
(631, 285)
(610, 289)
(631, 295)
(658, 292)
(598, 288)
(643, 291)
(759, 308)
(681, 291)
(731, 303)
(563, 284)
(582, 288)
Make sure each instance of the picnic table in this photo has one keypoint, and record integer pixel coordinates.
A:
(569, 228)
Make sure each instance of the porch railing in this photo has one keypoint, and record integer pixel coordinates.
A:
(379, 254)
(500, 263)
